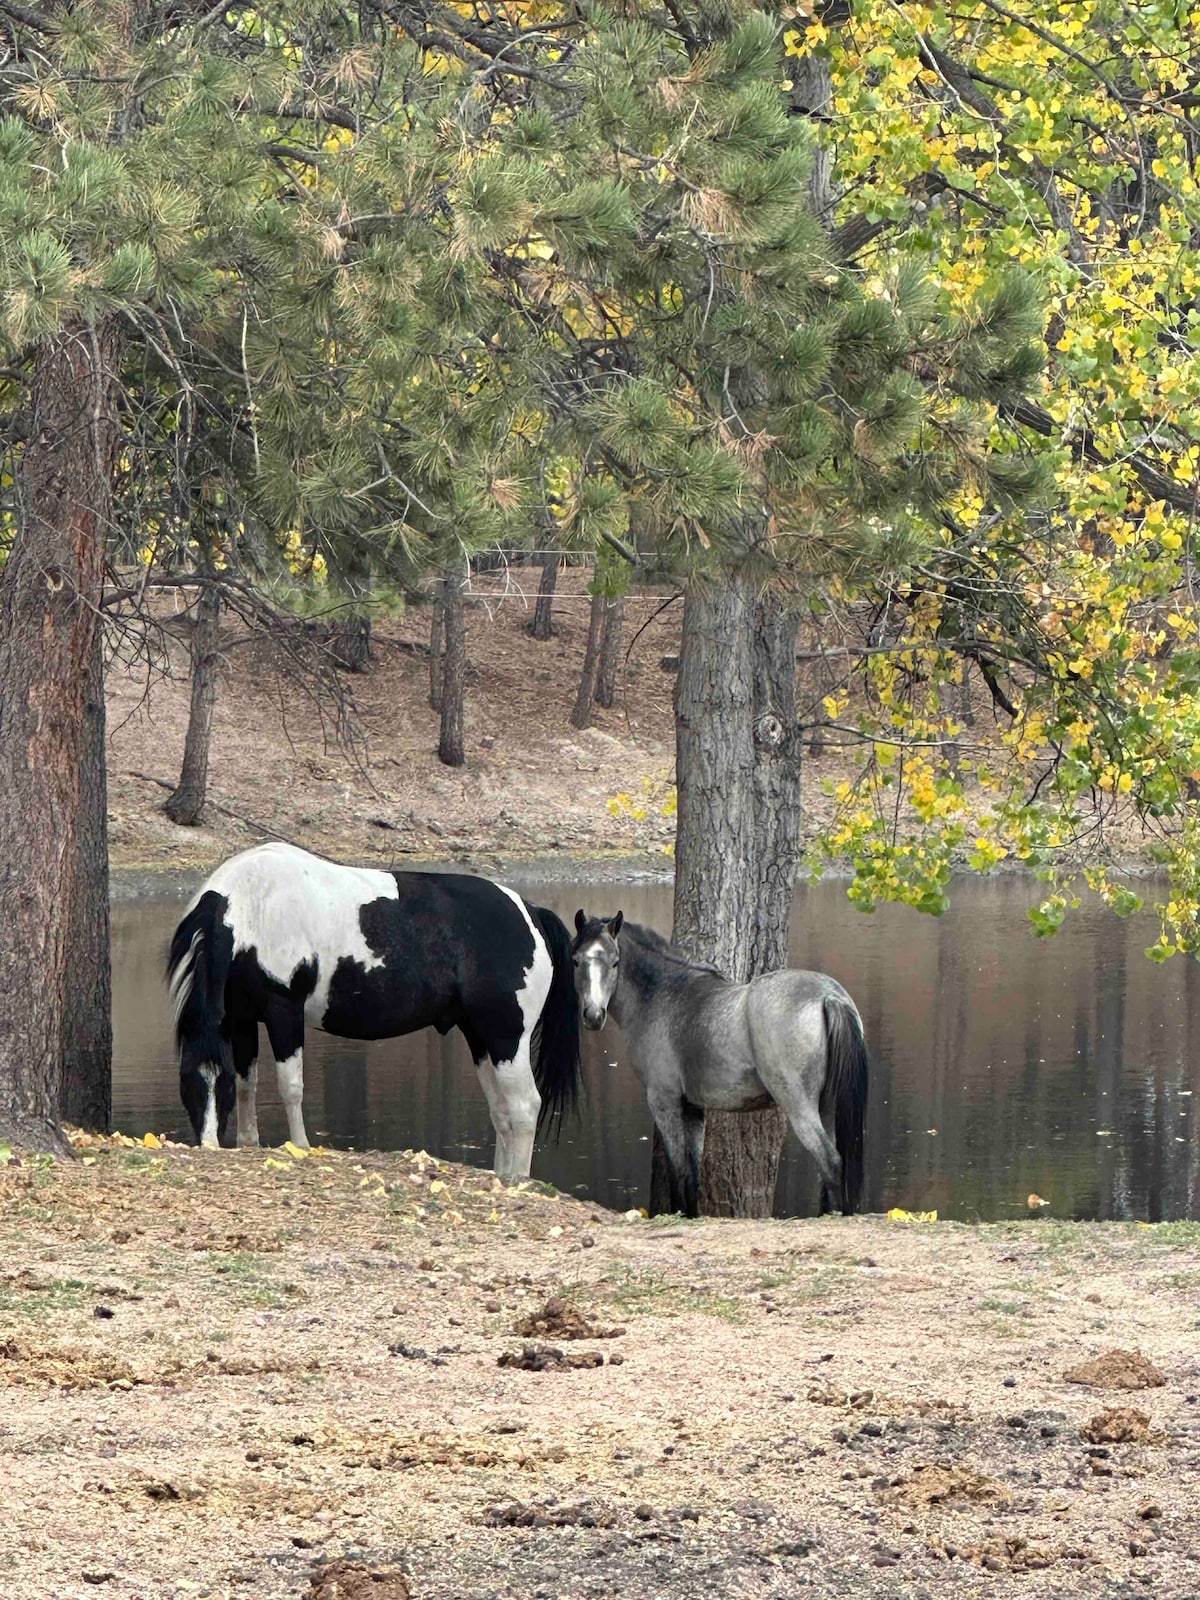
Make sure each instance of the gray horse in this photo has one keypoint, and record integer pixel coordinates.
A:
(701, 1043)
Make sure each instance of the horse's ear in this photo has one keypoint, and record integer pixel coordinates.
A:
(580, 921)
(614, 926)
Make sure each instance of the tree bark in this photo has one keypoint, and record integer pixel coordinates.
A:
(610, 651)
(350, 635)
(85, 1096)
(778, 753)
(454, 672)
(581, 716)
(437, 636)
(185, 805)
(714, 770)
(50, 591)
(742, 1151)
(542, 626)
(350, 642)
(738, 774)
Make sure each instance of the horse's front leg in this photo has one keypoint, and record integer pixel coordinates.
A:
(285, 1029)
(666, 1107)
(245, 1064)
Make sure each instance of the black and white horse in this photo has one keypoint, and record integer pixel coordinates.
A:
(285, 938)
(699, 1042)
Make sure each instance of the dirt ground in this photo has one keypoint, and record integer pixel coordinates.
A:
(533, 786)
(245, 1374)
(532, 783)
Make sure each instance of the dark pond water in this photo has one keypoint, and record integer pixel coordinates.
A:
(1002, 1065)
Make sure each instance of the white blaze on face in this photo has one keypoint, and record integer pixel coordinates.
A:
(208, 1133)
(595, 969)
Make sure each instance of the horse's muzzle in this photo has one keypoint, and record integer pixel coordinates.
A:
(595, 1016)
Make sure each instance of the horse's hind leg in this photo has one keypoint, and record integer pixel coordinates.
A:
(791, 1067)
(514, 1102)
(500, 1126)
(244, 1040)
(805, 1118)
(285, 1029)
(517, 1093)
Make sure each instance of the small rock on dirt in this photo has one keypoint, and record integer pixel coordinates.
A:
(352, 1580)
(1117, 1369)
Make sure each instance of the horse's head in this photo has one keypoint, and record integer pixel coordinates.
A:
(597, 957)
(208, 1095)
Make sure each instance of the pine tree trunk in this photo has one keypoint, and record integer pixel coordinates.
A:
(50, 591)
(778, 752)
(454, 672)
(742, 1151)
(715, 840)
(737, 768)
(581, 716)
(85, 1097)
(350, 642)
(350, 635)
(437, 636)
(185, 805)
(542, 626)
(610, 651)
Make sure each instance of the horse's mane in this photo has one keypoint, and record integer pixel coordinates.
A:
(651, 939)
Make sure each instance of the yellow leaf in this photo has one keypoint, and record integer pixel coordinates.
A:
(276, 1165)
(295, 1151)
(150, 1141)
(436, 1186)
(897, 1215)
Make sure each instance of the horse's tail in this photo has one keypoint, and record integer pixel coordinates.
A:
(556, 1067)
(846, 1071)
(197, 968)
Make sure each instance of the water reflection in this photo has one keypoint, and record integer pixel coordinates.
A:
(1002, 1065)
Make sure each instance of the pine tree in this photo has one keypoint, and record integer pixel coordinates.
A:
(202, 214)
(778, 424)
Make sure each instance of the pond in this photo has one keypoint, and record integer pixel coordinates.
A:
(1002, 1065)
